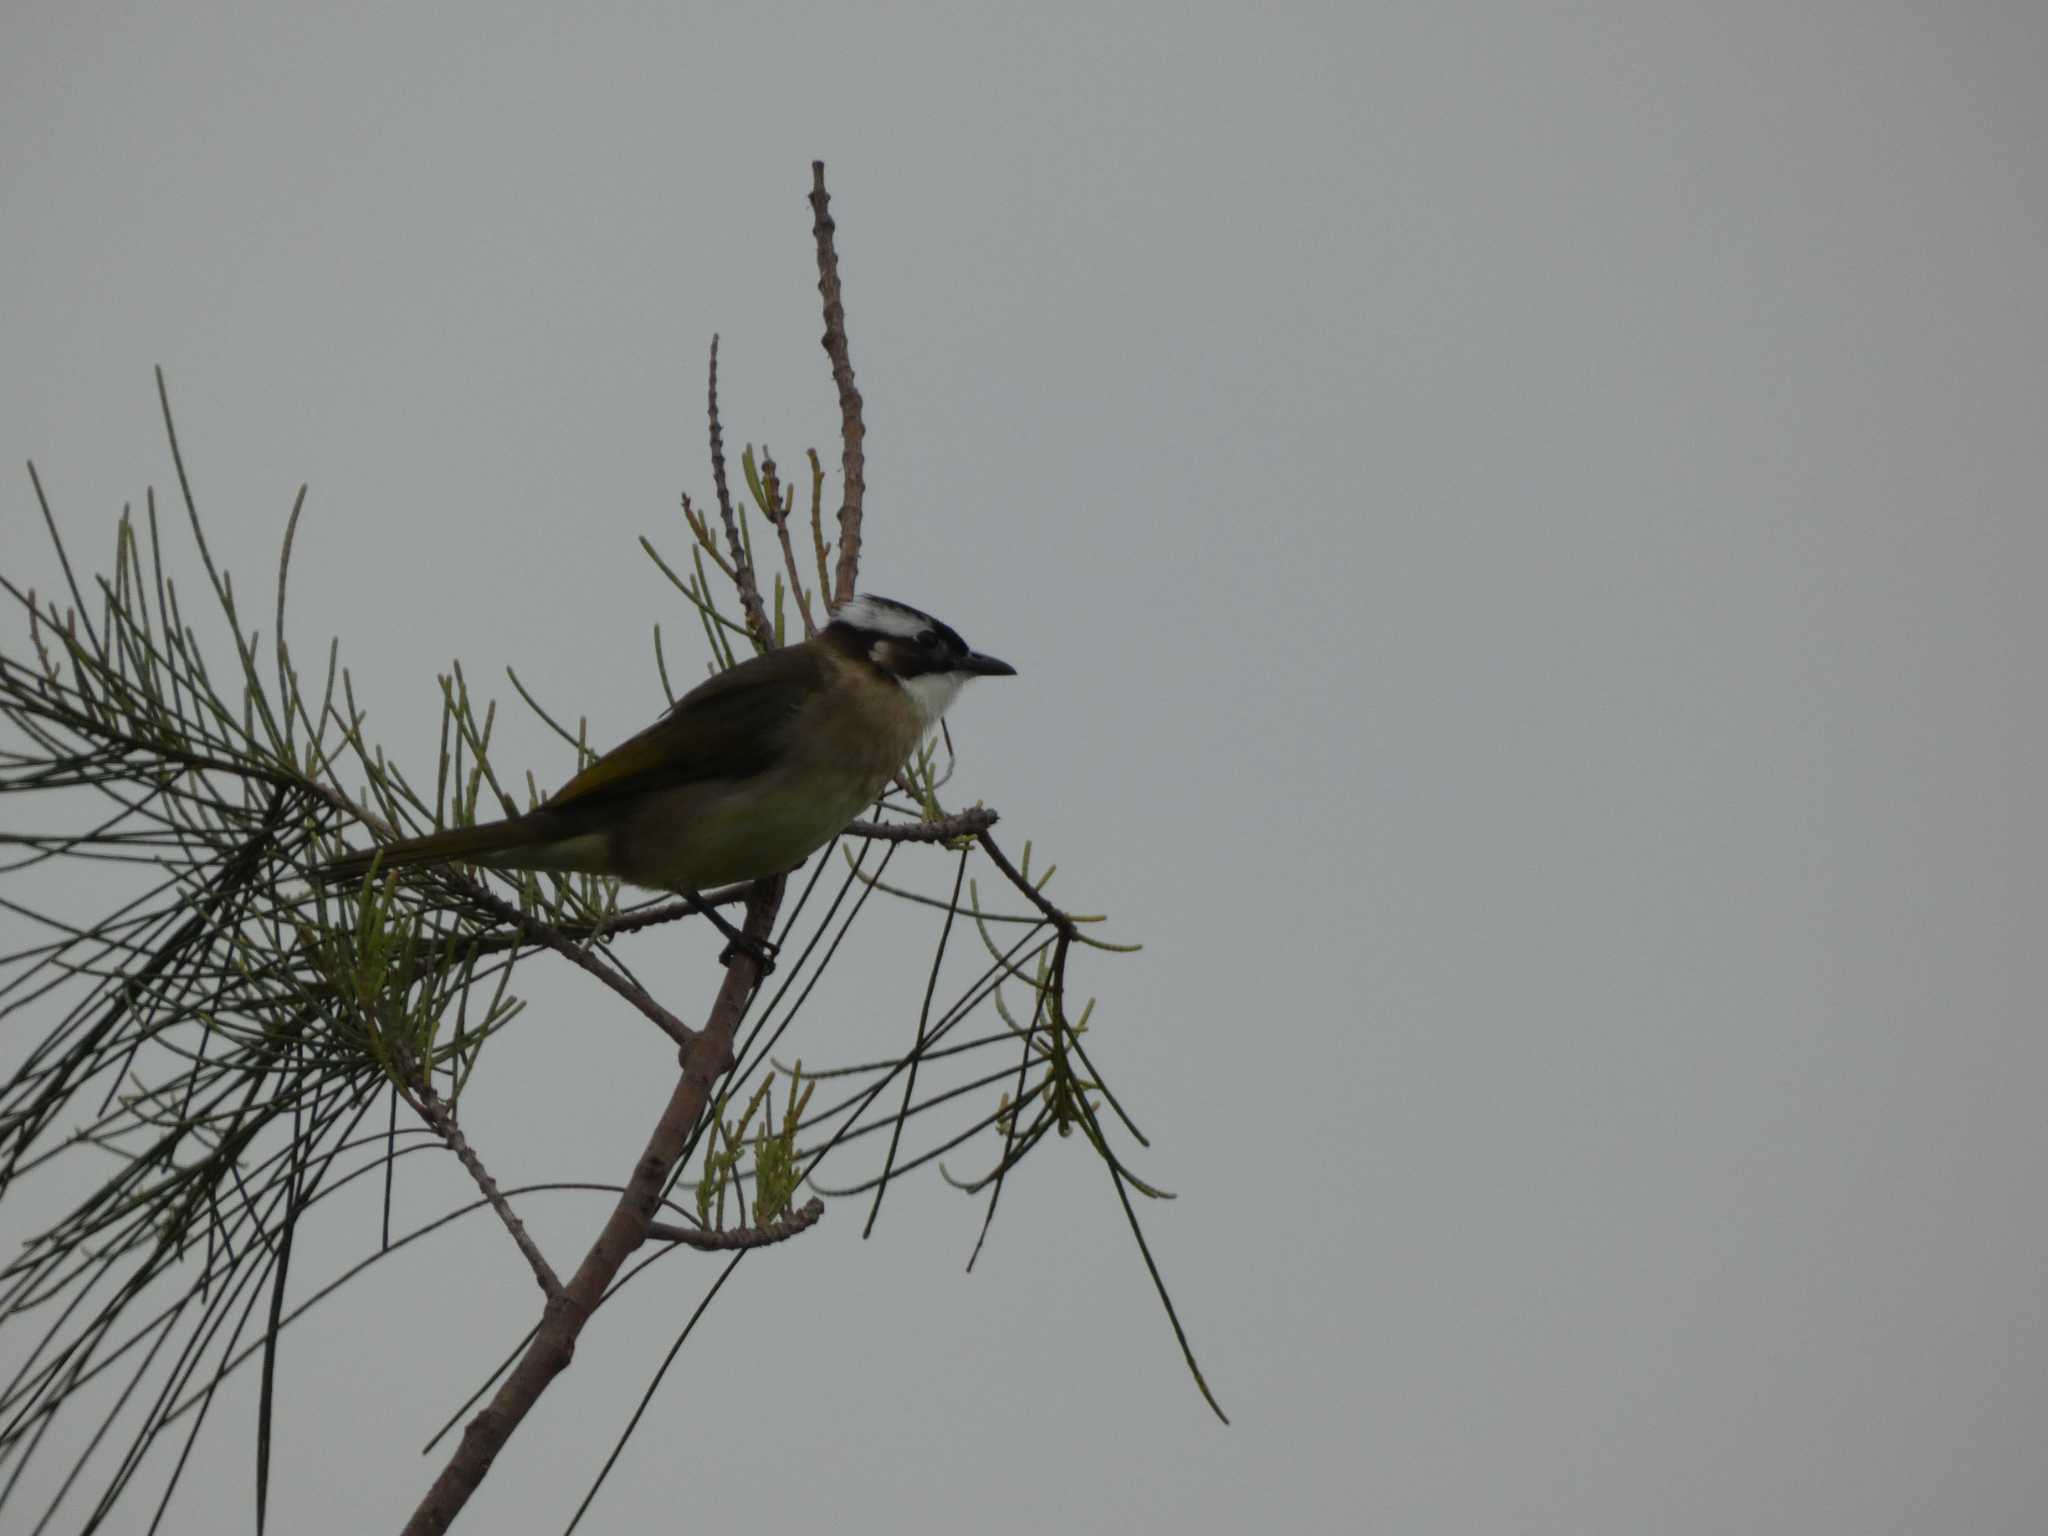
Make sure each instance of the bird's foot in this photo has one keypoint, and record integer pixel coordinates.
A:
(761, 951)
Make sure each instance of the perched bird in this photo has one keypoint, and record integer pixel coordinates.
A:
(748, 774)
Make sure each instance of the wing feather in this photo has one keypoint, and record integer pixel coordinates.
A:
(731, 726)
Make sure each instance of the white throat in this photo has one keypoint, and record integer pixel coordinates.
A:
(933, 693)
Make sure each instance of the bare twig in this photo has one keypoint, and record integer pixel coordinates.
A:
(852, 429)
(743, 568)
(777, 512)
(552, 938)
(706, 1241)
(818, 545)
(968, 823)
(1061, 921)
(666, 912)
(430, 1108)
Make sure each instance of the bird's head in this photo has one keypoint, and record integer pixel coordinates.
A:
(927, 658)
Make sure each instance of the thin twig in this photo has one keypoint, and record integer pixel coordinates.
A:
(552, 938)
(852, 428)
(743, 568)
(655, 916)
(706, 1241)
(818, 546)
(430, 1108)
(1062, 921)
(966, 823)
(777, 512)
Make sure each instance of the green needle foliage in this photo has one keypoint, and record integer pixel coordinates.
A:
(217, 1044)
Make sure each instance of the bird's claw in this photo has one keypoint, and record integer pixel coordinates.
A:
(761, 951)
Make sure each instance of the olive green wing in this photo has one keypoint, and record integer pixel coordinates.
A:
(731, 726)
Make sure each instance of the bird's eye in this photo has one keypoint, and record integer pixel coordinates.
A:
(927, 639)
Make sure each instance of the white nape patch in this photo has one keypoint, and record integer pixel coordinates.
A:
(933, 692)
(883, 617)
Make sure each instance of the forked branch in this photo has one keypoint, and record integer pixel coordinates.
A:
(710, 1053)
(709, 1058)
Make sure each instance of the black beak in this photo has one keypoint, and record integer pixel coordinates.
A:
(985, 666)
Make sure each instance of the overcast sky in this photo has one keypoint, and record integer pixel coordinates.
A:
(1521, 531)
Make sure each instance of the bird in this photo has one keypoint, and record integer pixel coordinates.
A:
(747, 775)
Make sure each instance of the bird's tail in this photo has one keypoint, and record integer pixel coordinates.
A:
(471, 845)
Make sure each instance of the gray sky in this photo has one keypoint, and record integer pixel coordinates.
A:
(1521, 530)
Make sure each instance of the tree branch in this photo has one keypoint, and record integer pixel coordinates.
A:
(778, 514)
(818, 527)
(667, 912)
(552, 938)
(852, 429)
(742, 566)
(429, 1107)
(554, 1344)
(768, 1233)
(1063, 922)
(968, 823)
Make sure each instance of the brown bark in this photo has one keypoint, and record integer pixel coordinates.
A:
(709, 1057)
